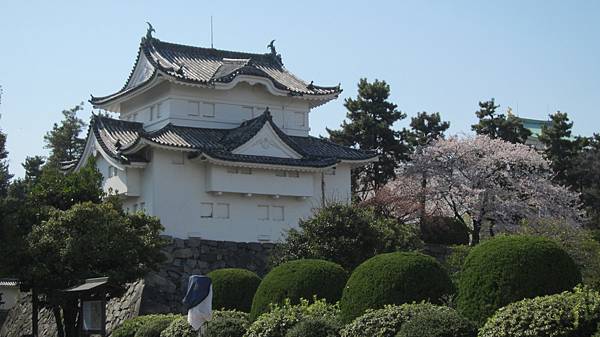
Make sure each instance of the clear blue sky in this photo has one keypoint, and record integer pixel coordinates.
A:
(535, 56)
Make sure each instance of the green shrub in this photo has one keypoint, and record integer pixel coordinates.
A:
(129, 327)
(455, 261)
(444, 230)
(314, 327)
(568, 314)
(227, 323)
(394, 278)
(443, 322)
(388, 321)
(155, 326)
(510, 268)
(233, 289)
(179, 327)
(282, 318)
(347, 235)
(299, 279)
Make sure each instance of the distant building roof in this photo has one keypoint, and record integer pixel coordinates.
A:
(122, 140)
(210, 67)
(9, 282)
(534, 125)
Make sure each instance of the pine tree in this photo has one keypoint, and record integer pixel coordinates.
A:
(559, 147)
(5, 176)
(371, 117)
(499, 126)
(425, 128)
(63, 140)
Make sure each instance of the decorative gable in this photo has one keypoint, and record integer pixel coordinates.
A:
(266, 143)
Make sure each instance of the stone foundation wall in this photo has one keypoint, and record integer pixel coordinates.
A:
(158, 292)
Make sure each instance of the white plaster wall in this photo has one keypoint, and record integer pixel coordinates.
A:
(194, 106)
(9, 296)
(127, 182)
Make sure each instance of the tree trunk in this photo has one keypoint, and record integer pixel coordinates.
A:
(60, 329)
(34, 312)
(474, 240)
(69, 308)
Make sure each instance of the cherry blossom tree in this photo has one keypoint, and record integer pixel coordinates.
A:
(482, 181)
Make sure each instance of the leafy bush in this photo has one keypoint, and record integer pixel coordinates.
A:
(443, 322)
(299, 279)
(444, 230)
(233, 289)
(129, 327)
(510, 268)
(388, 321)
(393, 278)
(227, 323)
(155, 326)
(282, 318)
(568, 314)
(347, 235)
(314, 327)
(455, 261)
(179, 327)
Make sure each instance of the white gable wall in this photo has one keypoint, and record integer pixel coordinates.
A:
(249, 207)
(210, 108)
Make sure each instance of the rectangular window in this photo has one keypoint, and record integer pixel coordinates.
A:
(299, 119)
(112, 171)
(194, 108)
(208, 110)
(277, 213)
(206, 210)
(222, 210)
(159, 107)
(263, 212)
(152, 108)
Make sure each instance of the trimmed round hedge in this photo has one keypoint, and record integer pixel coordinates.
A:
(314, 327)
(510, 268)
(179, 327)
(568, 314)
(154, 327)
(299, 279)
(227, 323)
(444, 322)
(129, 327)
(394, 278)
(233, 288)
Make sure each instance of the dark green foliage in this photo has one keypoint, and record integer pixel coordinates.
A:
(179, 327)
(425, 128)
(585, 172)
(154, 326)
(233, 289)
(314, 327)
(394, 278)
(510, 268)
(347, 235)
(500, 126)
(388, 321)
(63, 140)
(444, 230)
(226, 323)
(281, 318)
(299, 279)
(559, 148)
(569, 314)
(5, 176)
(33, 168)
(129, 327)
(444, 322)
(455, 261)
(371, 118)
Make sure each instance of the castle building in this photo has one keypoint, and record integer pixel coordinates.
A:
(216, 143)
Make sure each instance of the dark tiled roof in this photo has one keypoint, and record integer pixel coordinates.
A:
(118, 138)
(208, 66)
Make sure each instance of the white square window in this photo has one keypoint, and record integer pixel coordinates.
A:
(194, 108)
(299, 119)
(263, 212)
(208, 110)
(112, 171)
(206, 210)
(159, 107)
(152, 108)
(222, 210)
(277, 213)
